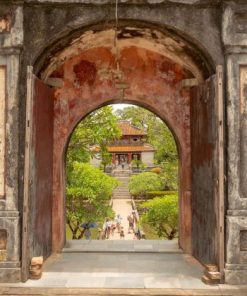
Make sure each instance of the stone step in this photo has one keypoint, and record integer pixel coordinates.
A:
(123, 181)
(66, 291)
(122, 188)
(121, 195)
(119, 246)
(116, 175)
(208, 281)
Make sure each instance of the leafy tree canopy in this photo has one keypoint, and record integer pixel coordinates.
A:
(144, 182)
(87, 196)
(162, 215)
(98, 128)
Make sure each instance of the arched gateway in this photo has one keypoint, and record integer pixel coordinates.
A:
(161, 61)
(148, 67)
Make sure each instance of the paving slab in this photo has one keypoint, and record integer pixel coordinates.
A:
(153, 246)
(120, 292)
(120, 270)
(124, 282)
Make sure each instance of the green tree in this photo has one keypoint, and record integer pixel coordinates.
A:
(106, 157)
(98, 128)
(140, 184)
(88, 193)
(162, 215)
(169, 174)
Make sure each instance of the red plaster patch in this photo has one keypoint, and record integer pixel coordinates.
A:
(85, 72)
(59, 73)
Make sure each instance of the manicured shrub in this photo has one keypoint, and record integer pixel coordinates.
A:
(161, 213)
(156, 170)
(152, 194)
(144, 182)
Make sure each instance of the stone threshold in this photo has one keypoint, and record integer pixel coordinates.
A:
(218, 291)
(121, 246)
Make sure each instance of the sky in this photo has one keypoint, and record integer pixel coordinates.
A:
(121, 106)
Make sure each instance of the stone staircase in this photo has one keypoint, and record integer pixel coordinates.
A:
(122, 191)
(121, 173)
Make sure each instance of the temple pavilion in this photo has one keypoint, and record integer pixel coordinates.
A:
(131, 146)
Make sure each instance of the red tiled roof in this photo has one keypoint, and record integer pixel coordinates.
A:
(130, 130)
(143, 148)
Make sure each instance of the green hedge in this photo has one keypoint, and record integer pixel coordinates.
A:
(152, 194)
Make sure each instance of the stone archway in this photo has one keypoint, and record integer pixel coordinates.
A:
(146, 87)
(150, 69)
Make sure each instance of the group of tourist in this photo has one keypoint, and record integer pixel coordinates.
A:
(110, 226)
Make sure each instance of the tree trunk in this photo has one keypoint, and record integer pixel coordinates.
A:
(80, 236)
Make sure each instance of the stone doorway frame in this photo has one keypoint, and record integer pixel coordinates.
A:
(147, 108)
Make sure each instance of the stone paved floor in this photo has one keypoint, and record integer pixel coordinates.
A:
(120, 270)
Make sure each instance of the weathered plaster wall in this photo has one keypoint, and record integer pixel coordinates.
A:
(148, 158)
(51, 26)
(235, 42)
(11, 40)
(48, 26)
(57, 27)
(53, 23)
(89, 81)
(2, 129)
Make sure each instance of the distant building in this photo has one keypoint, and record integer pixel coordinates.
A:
(131, 146)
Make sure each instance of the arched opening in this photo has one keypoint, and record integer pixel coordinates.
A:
(137, 155)
(156, 70)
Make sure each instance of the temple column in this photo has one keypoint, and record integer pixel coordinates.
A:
(129, 158)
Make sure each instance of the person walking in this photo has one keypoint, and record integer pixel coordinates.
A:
(87, 234)
(122, 233)
(130, 219)
(107, 228)
(118, 220)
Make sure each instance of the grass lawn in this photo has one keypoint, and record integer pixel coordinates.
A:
(94, 232)
(149, 233)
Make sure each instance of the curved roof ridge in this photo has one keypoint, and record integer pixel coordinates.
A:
(129, 129)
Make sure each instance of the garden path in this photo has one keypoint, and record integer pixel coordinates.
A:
(123, 208)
